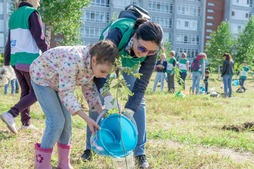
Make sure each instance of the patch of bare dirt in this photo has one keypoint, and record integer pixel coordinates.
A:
(222, 152)
(239, 128)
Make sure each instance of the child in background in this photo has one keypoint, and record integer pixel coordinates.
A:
(184, 68)
(54, 76)
(14, 87)
(207, 72)
(170, 72)
(161, 68)
(243, 74)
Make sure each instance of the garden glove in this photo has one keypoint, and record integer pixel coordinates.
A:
(108, 100)
(10, 74)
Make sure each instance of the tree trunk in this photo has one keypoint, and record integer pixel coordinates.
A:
(48, 30)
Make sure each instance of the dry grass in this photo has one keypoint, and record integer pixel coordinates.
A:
(181, 132)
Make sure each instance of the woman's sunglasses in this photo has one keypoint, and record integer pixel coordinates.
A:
(149, 52)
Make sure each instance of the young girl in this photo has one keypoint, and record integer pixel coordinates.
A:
(170, 72)
(184, 68)
(54, 76)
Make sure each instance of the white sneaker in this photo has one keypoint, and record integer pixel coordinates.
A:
(32, 127)
(9, 120)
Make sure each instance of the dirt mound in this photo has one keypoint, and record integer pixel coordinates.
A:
(239, 128)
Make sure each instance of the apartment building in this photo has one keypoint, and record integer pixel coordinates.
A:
(4, 17)
(215, 10)
(182, 21)
(238, 13)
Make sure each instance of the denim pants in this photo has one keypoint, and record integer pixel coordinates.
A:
(58, 118)
(139, 116)
(183, 77)
(206, 85)
(227, 80)
(171, 82)
(196, 76)
(13, 86)
(27, 97)
(242, 83)
(160, 76)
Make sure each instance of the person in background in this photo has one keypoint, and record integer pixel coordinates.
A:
(207, 72)
(227, 74)
(14, 87)
(243, 74)
(161, 68)
(12, 81)
(24, 42)
(170, 72)
(199, 73)
(184, 69)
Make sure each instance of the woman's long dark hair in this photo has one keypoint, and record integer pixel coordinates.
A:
(228, 57)
(149, 31)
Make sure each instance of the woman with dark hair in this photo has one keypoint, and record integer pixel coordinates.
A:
(140, 40)
(227, 74)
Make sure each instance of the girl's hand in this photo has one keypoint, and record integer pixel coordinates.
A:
(92, 124)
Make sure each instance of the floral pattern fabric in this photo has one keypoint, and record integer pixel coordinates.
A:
(62, 69)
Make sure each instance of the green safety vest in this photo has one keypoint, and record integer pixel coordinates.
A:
(23, 46)
(170, 65)
(182, 65)
(126, 27)
(244, 72)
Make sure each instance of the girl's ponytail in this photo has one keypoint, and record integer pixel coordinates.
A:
(139, 22)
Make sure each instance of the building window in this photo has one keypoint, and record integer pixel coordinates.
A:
(239, 28)
(237, 1)
(96, 16)
(210, 17)
(210, 10)
(209, 30)
(249, 2)
(190, 39)
(208, 37)
(186, 24)
(100, 3)
(210, 4)
(209, 24)
(1, 40)
(1, 8)
(246, 15)
(207, 43)
(233, 13)
(164, 22)
(192, 10)
(163, 7)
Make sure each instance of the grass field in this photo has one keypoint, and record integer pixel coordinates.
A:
(181, 132)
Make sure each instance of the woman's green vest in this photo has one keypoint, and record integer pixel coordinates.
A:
(126, 27)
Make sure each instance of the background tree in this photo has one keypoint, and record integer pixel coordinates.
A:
(63, 18)
(221, 42)
(244, 48)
